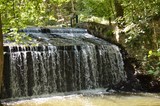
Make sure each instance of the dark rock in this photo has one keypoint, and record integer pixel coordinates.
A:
(141, 83)
(148, 83)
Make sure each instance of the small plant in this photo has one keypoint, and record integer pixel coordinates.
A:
(153, 64)
(18, 38)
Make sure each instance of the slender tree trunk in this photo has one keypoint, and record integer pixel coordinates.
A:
(74, 16)
(112, 11)
(119, 13)
(73, 6)
(1, 55)
(119, 9)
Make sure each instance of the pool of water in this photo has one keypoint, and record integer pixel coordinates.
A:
(91, 99)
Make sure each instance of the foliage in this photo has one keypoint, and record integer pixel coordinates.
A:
(136, 24)
(140, 39)
(18, 38)
(152, 63)
(19, 14)
(95, 8)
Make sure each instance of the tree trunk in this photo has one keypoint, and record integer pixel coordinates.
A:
(119, 9)
(119, 13)
(1, 55)
(73, 7)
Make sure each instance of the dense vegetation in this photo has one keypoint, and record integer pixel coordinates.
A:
(135, 20)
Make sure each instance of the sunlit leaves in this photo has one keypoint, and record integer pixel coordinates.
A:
(17, 38)
(153, 64)
(98, 8)
(59, 2)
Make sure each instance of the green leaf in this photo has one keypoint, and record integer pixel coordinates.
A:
(150, 72)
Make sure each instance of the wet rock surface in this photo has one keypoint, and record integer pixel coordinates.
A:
(86, 62)
(136, 82)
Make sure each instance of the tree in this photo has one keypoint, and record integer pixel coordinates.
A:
(1, 55)
(118, 9)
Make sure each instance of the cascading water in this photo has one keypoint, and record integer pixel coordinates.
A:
(71, 60)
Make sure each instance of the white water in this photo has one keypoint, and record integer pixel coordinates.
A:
(88, 63)
(49, 70)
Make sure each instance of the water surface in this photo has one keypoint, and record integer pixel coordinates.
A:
(90, 99)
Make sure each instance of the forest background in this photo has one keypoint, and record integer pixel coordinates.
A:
(135, 24)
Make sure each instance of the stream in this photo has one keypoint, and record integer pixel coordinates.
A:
(90, 98)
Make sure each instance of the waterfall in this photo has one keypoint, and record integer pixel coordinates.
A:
(41, 70)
